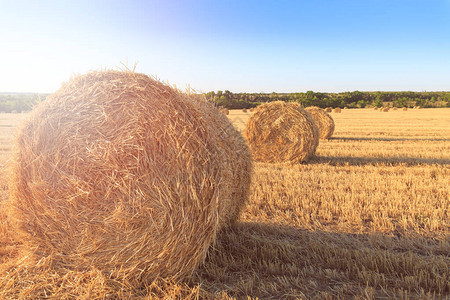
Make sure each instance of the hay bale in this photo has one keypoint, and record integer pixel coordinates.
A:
(337, 110)
(244, 110)
(345, 107)
(386, 109)
(225, 111)
(281, 132)
(375, 108)
(323, 120)
(404, 108)
(120, 172)
(328, 109)
(394, 108)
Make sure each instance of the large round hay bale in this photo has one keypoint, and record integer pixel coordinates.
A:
(225, 111)
(394, 108)
(120, 172)
(404, 108)
(337, 110)
(386, 109)
(281, 132)
(323, 120)
(329, 109)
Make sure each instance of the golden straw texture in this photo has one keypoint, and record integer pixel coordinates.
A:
(281, 132)
(323, 120)
(121, 173)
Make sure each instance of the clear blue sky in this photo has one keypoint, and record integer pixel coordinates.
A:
(242, 46)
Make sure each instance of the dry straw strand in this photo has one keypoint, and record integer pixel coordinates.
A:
(121, 173)
(323, 120)
(279, 132)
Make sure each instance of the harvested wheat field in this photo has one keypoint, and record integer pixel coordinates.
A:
(367, 218)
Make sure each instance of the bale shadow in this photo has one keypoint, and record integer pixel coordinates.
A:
(281, 262)
(362, 161)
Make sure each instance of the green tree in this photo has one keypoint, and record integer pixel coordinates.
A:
(378, 102)
(361, 104)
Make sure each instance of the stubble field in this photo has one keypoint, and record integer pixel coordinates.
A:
(367, 218)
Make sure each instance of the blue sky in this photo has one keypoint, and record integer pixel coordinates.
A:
(242, 46)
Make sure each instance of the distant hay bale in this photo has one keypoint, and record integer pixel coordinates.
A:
(329, 109)
(386, 109)
(252, 109)
(244, 110)
(281, 132)
(405, 108)
(394, 108)
(345, 107)
(375, 108)
(225, 111)
(323, 120)
(120, 172)
(337, 110)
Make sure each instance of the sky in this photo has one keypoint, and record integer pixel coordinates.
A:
(241, 46)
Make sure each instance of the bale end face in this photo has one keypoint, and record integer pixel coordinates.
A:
(280, 132)
(323, 120)
(118, 171)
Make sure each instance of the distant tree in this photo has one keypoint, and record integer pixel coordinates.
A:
(378, 102)
(310, 94)
(361, 104)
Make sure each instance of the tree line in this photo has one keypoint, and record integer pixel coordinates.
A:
(354, 99)
(19, 102)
